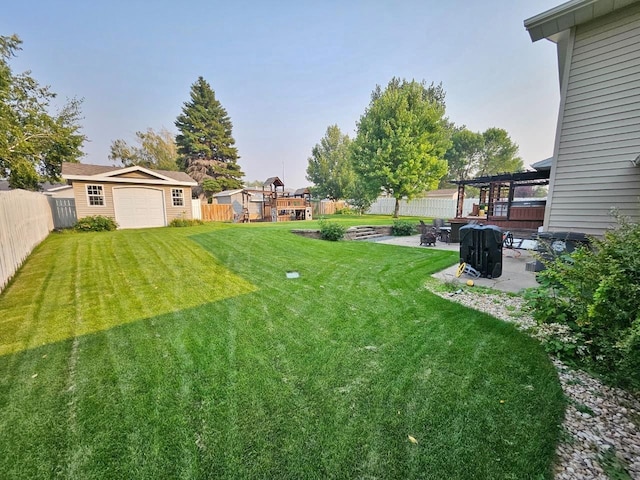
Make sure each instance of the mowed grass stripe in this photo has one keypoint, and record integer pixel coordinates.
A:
(132, 275)
(323, 376)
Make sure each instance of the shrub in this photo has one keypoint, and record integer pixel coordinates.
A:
(596, 294)
(344, 211)
(185, 222)
(96, 223)
(331, 231)
(402, 228)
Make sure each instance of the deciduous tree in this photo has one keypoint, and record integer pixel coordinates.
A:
(329, 166)
(463, 157)
(402, 138)
(499, 154)
(474, 154)
(206, 146)
(156, 150)
(33, 141)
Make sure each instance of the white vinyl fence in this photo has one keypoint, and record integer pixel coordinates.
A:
(421, 207)
(196, 210)
(25, 220)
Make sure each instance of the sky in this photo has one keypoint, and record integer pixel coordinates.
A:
(286, 70)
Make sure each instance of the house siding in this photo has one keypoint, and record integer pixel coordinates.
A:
(83, 209)
(178, 212)
(142, 175)
(599, 131)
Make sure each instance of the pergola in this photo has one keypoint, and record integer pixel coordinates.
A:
(497, 194)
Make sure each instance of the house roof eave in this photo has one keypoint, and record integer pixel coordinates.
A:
(137, 168)
(112, 179)
(570, 14)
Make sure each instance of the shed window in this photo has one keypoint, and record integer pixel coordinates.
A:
(95, 195)
(177, 196)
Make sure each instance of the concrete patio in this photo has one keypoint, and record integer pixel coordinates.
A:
(514, 276)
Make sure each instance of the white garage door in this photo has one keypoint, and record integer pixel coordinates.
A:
(139, 207)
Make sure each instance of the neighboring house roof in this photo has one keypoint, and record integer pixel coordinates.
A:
(543, 164)
(443, 193)
(105, 173)
(46, 186)
(228, 193)
(554, 21)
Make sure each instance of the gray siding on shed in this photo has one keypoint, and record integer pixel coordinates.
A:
(599, 131)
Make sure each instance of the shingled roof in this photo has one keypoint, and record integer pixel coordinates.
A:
(84, 169)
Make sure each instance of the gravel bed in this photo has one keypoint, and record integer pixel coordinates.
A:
(601, 423)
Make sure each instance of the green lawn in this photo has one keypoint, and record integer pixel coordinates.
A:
(186, 353)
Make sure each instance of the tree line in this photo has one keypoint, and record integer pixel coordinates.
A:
(34, 141)
(404, 146)
(404, 143)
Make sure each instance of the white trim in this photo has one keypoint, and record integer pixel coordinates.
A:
(181, 197)
(57, 189)
(556, 12)
(136, 168)
(103, 179)
(556, 146)
(102, 189)
(570, 14)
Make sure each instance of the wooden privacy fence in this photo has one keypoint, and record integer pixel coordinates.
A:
(25, 220)
(216, 213)
(421, 207)
(327, 207)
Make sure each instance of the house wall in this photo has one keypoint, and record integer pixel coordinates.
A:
(83, 209)
(178, 212)
(598, 127)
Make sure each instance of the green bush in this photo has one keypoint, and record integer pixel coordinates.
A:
(331, 231)
(402, 228)
(596, 294)
(344, 211)
(185, 222)
(96, 223)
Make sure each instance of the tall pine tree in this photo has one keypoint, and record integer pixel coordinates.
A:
(205, 143)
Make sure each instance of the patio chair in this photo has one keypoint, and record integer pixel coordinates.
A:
(443, 233)
(427, 235)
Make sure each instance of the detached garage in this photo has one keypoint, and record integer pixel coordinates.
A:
(136, 197)
(139, 207)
